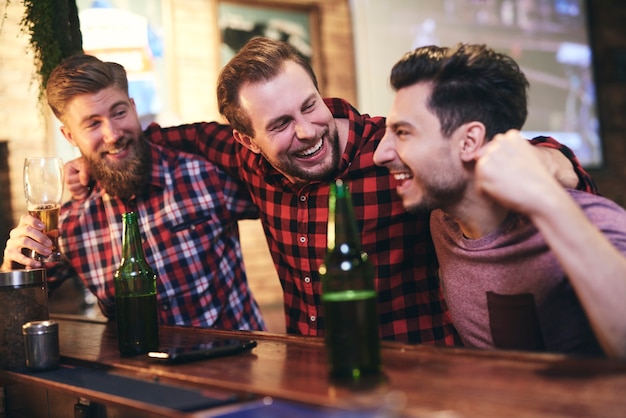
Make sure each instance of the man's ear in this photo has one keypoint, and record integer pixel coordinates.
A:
(472, 140)
(246, 141)
(68, 135)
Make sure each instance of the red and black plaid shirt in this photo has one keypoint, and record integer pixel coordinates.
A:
(410, 303)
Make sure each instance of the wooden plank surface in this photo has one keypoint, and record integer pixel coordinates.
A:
(420, 380)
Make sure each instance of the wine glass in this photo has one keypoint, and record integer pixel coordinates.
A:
(43, 187)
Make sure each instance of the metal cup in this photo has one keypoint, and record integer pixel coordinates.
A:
(41, 345)
(23, 298)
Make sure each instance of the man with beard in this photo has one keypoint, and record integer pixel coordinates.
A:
(188, 209)
(525, 263)
(288, 144)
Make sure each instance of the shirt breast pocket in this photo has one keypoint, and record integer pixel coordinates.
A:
(202, 218)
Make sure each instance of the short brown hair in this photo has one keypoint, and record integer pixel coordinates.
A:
(259, 60)
(81, 74)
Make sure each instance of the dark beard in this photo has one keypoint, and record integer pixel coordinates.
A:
(127, 180)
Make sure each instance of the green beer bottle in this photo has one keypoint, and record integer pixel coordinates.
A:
(348, 296)
(135, 295)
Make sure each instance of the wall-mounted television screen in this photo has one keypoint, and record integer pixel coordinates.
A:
(548, 38)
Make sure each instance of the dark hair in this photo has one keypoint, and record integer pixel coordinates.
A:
(80, 74)
(469, 82)
(260, 59)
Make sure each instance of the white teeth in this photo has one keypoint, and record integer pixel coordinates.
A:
(402, 176)
(313, 149)
(120, 147)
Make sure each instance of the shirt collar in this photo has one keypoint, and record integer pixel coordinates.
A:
(160, 167)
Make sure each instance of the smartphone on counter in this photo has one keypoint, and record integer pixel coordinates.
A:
(212, 349)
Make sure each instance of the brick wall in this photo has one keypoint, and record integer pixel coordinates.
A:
(22, 121)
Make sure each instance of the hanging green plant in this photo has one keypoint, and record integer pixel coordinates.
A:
(54, 31)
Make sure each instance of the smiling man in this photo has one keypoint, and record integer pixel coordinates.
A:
(314, 155)
(188, 209)
(525, 263)
(289, 143)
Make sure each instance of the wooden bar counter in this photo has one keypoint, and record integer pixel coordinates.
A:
(285, 372)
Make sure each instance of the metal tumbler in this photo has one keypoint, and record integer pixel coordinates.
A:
(41, 345)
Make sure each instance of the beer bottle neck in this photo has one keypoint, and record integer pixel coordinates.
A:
(132, 247)
(342, 228)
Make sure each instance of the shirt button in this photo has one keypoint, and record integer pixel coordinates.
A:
(307, 279)
(303, 198)
(302, 240)
(312, 318)
(165, 306)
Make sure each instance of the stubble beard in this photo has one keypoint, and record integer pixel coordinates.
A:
(438, 196)
(290, 168)
(127, 179)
